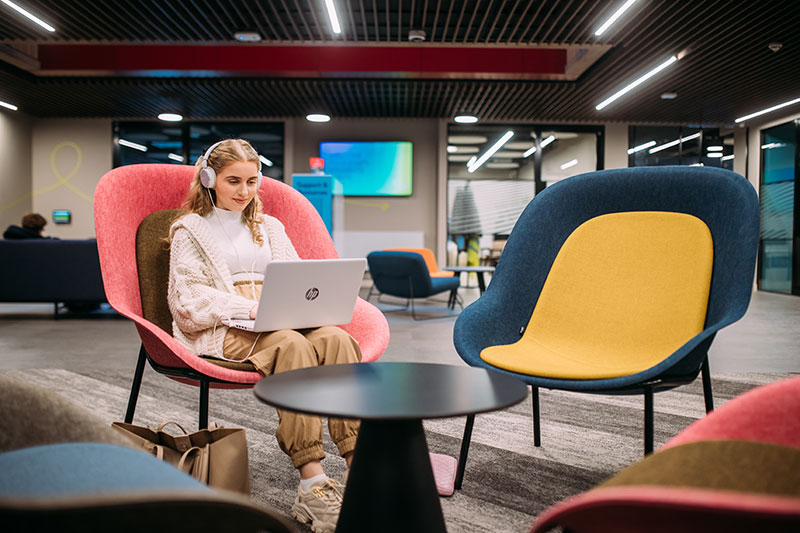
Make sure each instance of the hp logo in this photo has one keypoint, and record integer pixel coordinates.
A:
(312, 293)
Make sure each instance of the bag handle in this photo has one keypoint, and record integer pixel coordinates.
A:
(165, 424)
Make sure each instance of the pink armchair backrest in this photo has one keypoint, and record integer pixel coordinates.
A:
(126, 195)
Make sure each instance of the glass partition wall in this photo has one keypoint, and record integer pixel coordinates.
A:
(494, 171)
(779, 250)
(184, 143)
(680, 145)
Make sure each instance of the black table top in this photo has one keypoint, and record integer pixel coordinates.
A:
(390, 391)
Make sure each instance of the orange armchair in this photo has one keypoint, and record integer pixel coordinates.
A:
(430, 260)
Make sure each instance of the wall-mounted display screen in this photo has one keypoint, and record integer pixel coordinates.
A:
(62, 216)
(381, 168)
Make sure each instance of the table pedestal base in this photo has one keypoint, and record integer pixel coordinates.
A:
(391, 486)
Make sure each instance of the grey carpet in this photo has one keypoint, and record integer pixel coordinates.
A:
(585, 439)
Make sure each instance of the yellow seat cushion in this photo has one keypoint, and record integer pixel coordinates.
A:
(625, 291)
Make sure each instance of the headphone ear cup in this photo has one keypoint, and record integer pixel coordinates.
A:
(208, 178)
(259, 180)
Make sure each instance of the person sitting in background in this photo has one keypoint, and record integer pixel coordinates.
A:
(32, 226)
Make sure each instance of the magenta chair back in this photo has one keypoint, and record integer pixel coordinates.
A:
(125, 196)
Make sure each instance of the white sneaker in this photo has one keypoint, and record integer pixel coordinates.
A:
(320, 505)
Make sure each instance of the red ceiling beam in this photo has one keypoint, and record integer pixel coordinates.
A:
(304, 61)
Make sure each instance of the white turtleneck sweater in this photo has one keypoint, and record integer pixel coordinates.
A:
(201, 291)
(246, 260)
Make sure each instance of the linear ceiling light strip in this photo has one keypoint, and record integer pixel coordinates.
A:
(332, 15)
(674, 143)
(763, 111)
(613, 18)
(29, 15)
(490, 152)
(636, 83)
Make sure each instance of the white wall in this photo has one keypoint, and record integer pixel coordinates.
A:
(616, 149)
(69, 158)
(15, 176)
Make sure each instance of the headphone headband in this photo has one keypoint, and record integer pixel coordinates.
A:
(208, 176)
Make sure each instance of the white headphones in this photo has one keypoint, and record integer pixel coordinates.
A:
(207, 175)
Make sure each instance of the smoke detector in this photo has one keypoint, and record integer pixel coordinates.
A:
(247, 36)
(416, 36)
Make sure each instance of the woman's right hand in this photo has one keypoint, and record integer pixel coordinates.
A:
(253, 312)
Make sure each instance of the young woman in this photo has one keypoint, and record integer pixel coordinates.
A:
(218, 252)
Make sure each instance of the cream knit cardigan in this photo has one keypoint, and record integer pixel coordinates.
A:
(200, 292)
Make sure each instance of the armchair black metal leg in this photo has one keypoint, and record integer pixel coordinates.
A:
(462, 457)
(203, 423)
(451, 303)
(136, 385)
(411, 298)
(707, 392)
(369, 294)
(537, 429)
(648, 420)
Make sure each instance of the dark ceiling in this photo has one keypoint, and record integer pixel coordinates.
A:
(135, 59)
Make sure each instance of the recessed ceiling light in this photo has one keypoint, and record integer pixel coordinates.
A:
(30, 16)
(451, 149)
(636, 83)
(773, 108)
(265, 161)
(466, 119)
(613, 18)
(466, 139)
(458, 158)
(509, 164)
(509, 154)
(727, 157)
(669, 96)
(131, 144)
(548, 140)
(247, 36)
(318, 117)
(528, 152)
(12, 107)
(714, 154)
(170, 117)
(568, 164)
(715, 148)
(175, 157)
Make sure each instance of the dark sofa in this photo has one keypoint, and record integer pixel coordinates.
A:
(49, 270)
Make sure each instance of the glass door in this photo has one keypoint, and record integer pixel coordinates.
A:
(778, 251)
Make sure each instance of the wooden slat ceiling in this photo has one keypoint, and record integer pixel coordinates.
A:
(727, 71)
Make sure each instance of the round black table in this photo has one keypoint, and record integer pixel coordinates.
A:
(391, 486)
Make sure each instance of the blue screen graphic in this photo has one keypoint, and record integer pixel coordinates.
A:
(370, 168)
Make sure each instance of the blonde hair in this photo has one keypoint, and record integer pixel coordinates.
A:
(199, 198)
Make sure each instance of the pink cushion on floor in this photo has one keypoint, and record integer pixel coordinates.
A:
(444, 472)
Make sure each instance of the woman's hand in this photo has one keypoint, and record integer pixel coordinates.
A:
(253, 312)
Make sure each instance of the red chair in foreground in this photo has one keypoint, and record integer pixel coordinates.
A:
(737, 469)
(124, 197)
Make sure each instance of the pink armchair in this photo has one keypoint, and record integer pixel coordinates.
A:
(124, 197)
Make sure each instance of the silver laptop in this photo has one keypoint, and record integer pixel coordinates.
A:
(306, 294)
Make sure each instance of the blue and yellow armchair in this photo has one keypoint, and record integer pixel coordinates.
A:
(616, 282)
